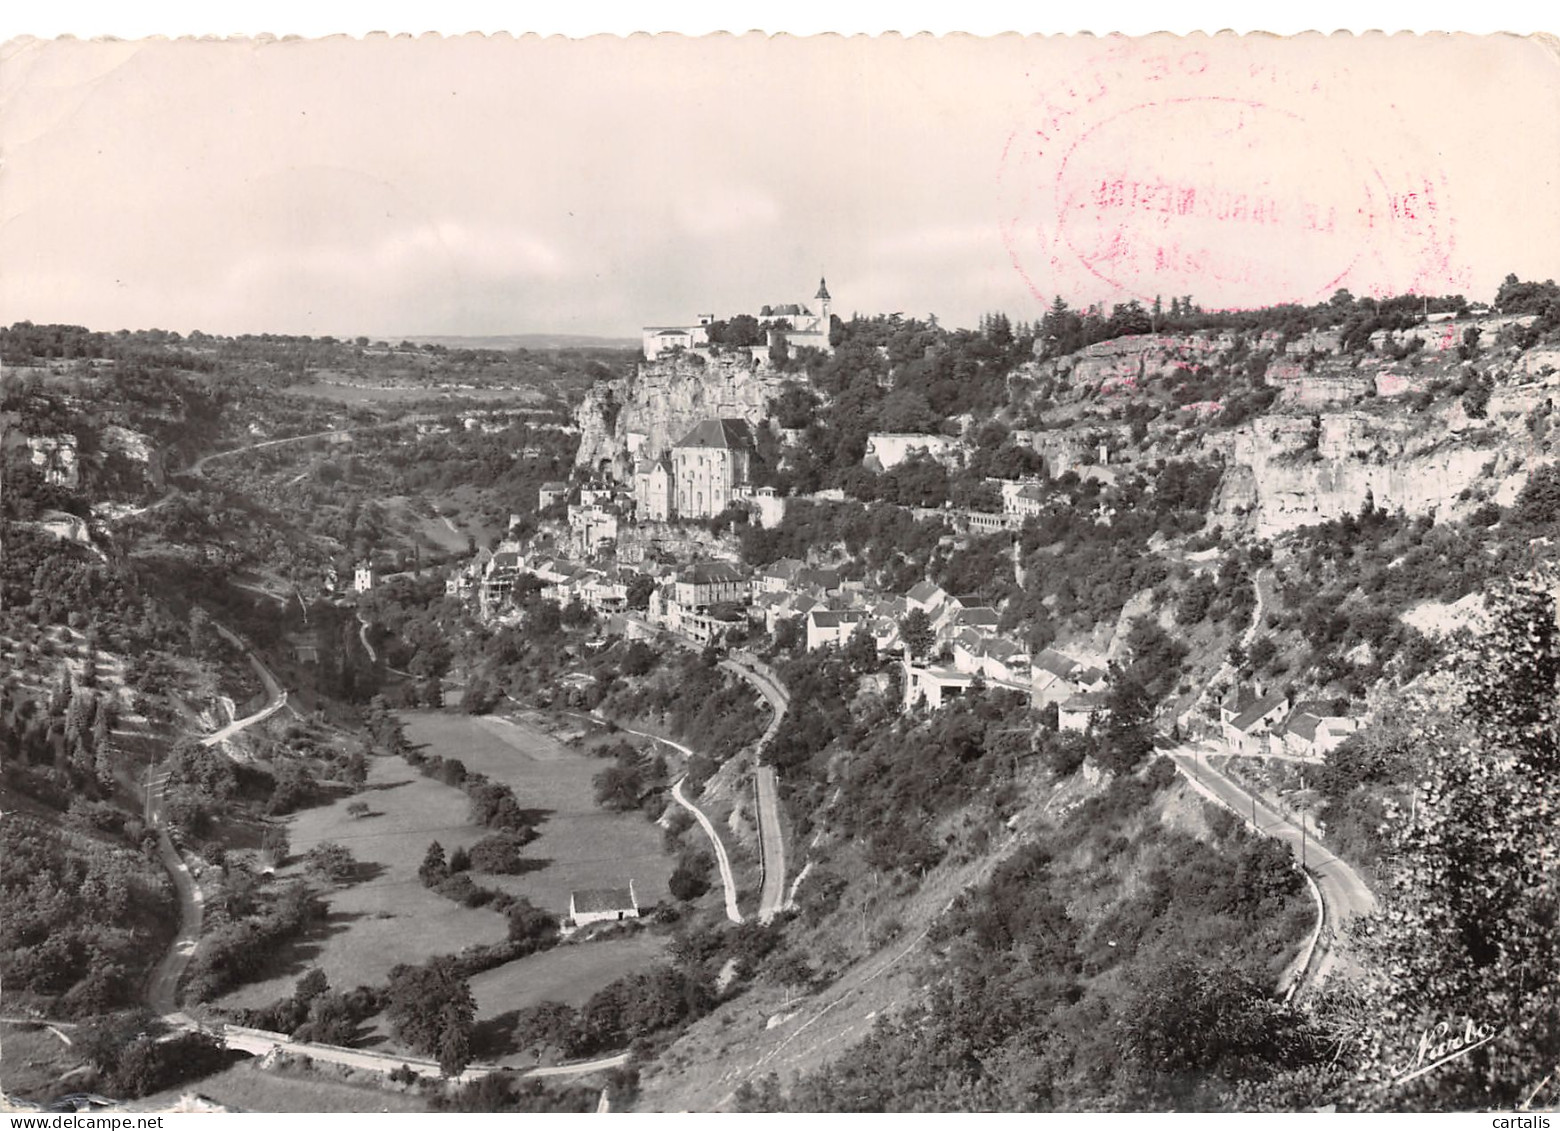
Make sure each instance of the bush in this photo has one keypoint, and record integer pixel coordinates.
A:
(691, 878)
(332, 862)
(499, 853)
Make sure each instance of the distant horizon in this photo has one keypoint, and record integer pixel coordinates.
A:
(633, 340)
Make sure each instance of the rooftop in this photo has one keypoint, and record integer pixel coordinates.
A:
(1054, 662)
(1258, 710)
(718, 432)
(709, 573)
(604, 899)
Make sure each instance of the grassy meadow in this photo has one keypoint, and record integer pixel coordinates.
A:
(387, 917)
(570, 973)
(584, 846)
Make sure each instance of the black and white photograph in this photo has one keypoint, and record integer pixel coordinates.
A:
(779, 573)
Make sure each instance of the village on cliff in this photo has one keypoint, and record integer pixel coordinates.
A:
(631, 538)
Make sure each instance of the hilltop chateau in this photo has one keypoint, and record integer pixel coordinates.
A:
(801, 325)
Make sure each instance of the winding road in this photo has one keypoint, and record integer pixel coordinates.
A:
(771, 838)
(1343, 894)
(275, 696)
(163, 985)
(722, 860)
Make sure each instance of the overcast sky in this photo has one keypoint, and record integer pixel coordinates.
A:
(496, 186)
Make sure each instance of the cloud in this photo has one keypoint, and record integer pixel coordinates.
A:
(939, 242)
(724, 210)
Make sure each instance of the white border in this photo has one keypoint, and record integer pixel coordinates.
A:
(87, 18)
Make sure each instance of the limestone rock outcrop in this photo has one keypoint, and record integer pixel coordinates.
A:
(1285, 472)
(643, 415)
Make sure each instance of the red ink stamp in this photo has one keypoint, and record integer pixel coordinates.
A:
(1167, 169)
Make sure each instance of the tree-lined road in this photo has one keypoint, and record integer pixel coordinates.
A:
(1343, 893)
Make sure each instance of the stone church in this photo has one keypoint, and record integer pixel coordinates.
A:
(711, 466)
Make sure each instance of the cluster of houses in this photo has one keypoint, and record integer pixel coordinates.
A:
(975, 651)
(580, 559)
(706, 599)
(1254, 723)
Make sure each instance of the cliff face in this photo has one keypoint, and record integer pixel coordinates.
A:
(643, 415)
(1285, 472)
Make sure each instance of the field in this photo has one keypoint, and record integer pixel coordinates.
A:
(388, 917)
(246, 1087)
(584, 846)
(367, 393)
(570, 973)
(433, 528)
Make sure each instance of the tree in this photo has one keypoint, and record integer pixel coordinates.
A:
(691, 878)
(1538, 503)
(274, 844)
(788, 634)
(433, 869)
(1465, 935)
(331, 861)
(1127, 735)
(432, 1010)
(915, 629)
(1186, 1020)
(619, 787)
(639, 591)
(861, 650)
(528, 923)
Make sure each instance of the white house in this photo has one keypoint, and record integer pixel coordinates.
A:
(807, 326)
(1308, 735)
(825, 627)
(593, 525)
(363, 578)
(658, 340)
(933, 684)
(1026, 500)
(778, 576)
(603, 905)
(1248, 731)
(710, 467)
(1050, 672)
(653, 489)
(1079, 711)
(926, 596)
(703, 584)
